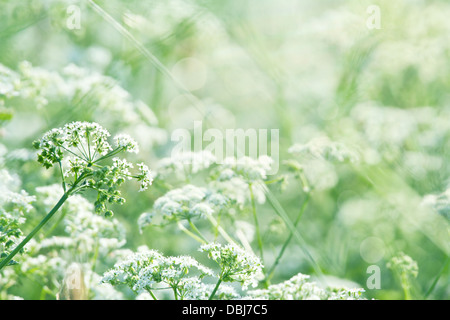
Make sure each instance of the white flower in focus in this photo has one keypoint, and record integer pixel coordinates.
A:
(235, 263)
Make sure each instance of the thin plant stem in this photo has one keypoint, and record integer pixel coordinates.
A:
(222, 232)
(44, 221)
(279, 210)
(189, 233)
(152, 294)
(433, 285)
(255, 218)
(96, 252)
(213, 293)
(287, 241)
(406, 286)
(53, 227)
(89, 147)
(108, 155)
(196, 230)
(62, 176)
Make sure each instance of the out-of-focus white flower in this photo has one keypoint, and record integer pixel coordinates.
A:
(299, 288)
(189, 202)
(185, 163)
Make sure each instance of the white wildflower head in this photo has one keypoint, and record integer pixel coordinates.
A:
(184, 164)
(82, 148)
(189, 202)
(194, 289)
(440, 203)
(325, 149)
(246, 168)
(235, 263)
(13, 206)
(300, 288)
(145, 269)
(144, 177)
(315, 161)
(126, 142)
(404, 265)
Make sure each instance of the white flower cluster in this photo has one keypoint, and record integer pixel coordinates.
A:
(8, 82)
(184, 164)
(146, 269)
(49, 269)
(113, 103)
(85, 143)
(126, 142)
(103, 99)
(385, 126)
(144, 177)
(88, 237)
(14, 204)
(86, 231)
(325, 149)
(83, 147)
(440, 203)
(197, 290)
(234, 176)
(299, 288)
(189, 202)
(404, 265)
(235, 263)
(314, 163)
(249, 169)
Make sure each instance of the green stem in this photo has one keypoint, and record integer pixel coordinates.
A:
(110, 154)
(62, 176)
(152, 294)
(89, 146)
(52, 228)
(95, 257)
(405, 286)
(61, 201)
(433, 285)
(197, 231)
(255, 218)
(189, 233)
(288, 240)
(213, 293)
(223, 233)
(279, 210)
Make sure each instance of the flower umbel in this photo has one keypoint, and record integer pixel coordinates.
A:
(235, 263)
(82, 149)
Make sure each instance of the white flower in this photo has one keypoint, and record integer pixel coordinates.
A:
(325, 149)
(186, 163)
(126, 142)
(144, 176)
(299, 288)
(146, 268)
(189, 202)
(249, 169)
(235, 263)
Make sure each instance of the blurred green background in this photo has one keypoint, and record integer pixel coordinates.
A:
(307, 68)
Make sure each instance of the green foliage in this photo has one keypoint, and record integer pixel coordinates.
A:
(363, 163)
